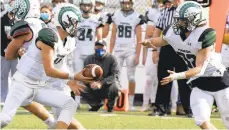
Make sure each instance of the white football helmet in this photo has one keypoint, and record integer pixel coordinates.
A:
(67, 17)
(22, 9)
(83, 3)
(127, 5)
(188, 16)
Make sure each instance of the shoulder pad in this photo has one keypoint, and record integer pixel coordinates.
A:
(47, 36)
(109, 19)
(208, 37)
(19, 29)
(142, 20)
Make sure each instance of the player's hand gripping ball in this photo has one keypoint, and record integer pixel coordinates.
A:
(94, 71)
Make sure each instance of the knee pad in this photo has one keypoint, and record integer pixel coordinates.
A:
(225, 118)
(199, 120)
(67, 111)
(5, 120)
(131, 78)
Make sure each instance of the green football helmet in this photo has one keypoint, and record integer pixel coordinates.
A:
(187, 17)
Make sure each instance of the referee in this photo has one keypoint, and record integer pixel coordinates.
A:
(168, 60)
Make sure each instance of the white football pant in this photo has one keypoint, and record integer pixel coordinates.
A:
(21, 94)
(201, 103)
(151, 80)
(129, 57)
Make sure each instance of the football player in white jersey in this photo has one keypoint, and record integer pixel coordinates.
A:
(126, 28)
(34, 67)
(25, 16)
(225, 45)
(194, 41)
(150, 92)
(98, 10)
(90, 29)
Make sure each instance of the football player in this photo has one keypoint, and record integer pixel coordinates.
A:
(126, 28)
(194, 41)
(29, 82)
(98, 10)
(24, 15)
(55, 83)
(150, 92)
(90, 28)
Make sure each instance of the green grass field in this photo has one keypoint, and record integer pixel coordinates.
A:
(117, 120)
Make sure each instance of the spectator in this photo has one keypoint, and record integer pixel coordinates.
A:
(6, 65)
(109, 85)
(46, 13)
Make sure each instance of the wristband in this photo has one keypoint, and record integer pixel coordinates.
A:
(177, 76)
(71, 76)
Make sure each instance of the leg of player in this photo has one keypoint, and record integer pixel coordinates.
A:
(131, 67)
(77, 67)
(42, 113)
(57, 99)
(17, 94)
(5, 69)
(222, 100)
(174, 97)
(201, 103)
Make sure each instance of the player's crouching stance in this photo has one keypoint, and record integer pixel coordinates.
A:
(194, 41)
(29, 82)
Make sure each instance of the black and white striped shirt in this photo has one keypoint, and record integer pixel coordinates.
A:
(166, 18)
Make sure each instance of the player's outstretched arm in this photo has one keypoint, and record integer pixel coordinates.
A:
(154, 42)
(201, 57)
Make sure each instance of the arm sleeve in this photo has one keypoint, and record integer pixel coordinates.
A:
(114, 72)
(47, 36)
(20, 28)
(207, 38)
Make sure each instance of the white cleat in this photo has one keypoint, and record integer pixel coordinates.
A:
(144, 109)
(132, 108)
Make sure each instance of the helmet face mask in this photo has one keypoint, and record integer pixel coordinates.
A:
(187, 17)
(22, 9)
(70, 26)
(86, 6)
(127, 6)
(99, 5)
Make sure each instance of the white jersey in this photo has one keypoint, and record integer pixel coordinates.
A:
(152, 16)
(87, 34)
(31, 64)
(188, 49)
(35, 25)
(125, 26)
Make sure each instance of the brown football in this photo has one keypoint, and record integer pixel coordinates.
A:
(94, 71)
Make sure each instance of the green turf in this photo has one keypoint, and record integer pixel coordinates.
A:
(119, 120)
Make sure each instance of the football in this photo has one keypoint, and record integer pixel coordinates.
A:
(94, 71)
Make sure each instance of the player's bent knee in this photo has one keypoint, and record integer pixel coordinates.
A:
(200, 122)
(131, 79)
(5, 120)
